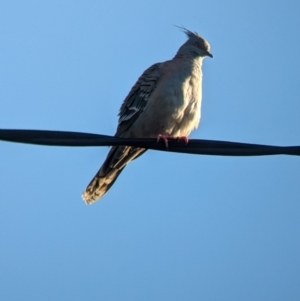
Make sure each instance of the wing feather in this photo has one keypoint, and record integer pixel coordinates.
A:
(136, 100)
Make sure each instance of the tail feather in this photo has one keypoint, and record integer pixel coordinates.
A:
(115, 162)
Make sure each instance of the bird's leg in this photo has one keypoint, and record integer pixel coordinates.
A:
(165, 138)
(184, 138)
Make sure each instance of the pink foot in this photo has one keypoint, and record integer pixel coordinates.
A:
(184, 138)
(165, 138)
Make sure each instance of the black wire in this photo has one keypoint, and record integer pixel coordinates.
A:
(199, 147)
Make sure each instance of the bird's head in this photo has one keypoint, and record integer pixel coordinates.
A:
(195, 45)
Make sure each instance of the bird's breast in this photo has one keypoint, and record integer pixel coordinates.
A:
(174, 106)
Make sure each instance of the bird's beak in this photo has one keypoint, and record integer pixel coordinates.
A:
(209, 54)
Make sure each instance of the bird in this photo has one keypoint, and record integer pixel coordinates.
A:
(164, 103)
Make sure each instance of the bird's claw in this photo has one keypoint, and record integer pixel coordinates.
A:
(184, 138)
(165, 138)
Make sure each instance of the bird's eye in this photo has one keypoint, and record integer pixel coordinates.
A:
(197, 44)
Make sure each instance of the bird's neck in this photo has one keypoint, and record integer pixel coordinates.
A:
(189, 59)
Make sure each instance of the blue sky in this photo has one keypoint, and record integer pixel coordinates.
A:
(173, 227)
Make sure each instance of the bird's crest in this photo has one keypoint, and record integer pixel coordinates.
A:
(193, 35)
(190, 34)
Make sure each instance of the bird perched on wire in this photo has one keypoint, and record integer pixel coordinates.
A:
(165, 103)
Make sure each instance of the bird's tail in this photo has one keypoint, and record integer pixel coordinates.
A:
(116, 160)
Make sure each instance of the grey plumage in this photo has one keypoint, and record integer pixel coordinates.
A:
(166, 100)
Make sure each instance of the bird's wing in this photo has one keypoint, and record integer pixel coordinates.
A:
(136, 100)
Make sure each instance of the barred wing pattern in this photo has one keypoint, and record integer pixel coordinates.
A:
(136, 100)
(119, 156)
